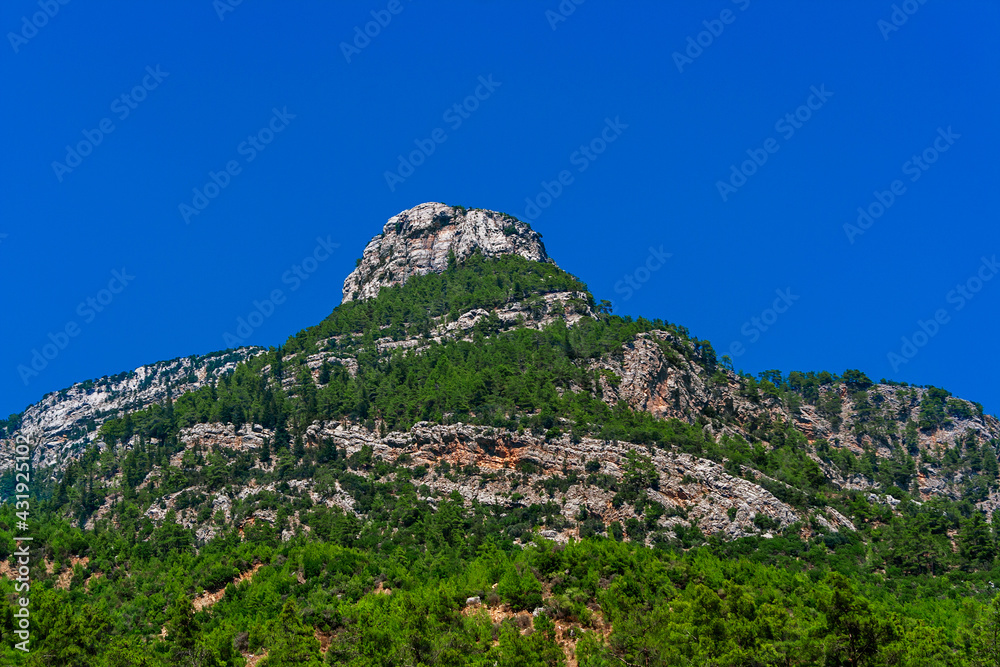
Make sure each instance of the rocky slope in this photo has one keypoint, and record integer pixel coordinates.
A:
(537, 313)
(651, 375)
(499, 467)
(63, 423)
(419, 241)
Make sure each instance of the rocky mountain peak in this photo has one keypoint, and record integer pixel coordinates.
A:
(419, 240)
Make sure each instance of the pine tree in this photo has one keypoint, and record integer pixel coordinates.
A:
(182, 631)
(296, 645)
(975, 544)
(911, 437)
(265, 451)
(324, 372)
(987, 635)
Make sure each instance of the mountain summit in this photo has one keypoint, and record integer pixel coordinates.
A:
(419, 241)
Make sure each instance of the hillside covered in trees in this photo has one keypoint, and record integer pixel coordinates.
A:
(479, 464)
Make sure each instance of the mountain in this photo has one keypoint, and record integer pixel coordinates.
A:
(468, 394)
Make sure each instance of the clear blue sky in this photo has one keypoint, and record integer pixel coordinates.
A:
(677, 126)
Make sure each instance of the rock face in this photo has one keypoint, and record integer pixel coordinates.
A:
(653, 376)
(63, 423)
(498, 466)
(419, 240)
(663, 375)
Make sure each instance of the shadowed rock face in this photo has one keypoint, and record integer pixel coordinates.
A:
(418, 241)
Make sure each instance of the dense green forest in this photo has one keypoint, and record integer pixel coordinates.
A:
(388, 584)
(392, 590)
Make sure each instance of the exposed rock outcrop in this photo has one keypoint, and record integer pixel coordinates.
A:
(419, 240)
(63, 423)
(501, 467)
(661, 374)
